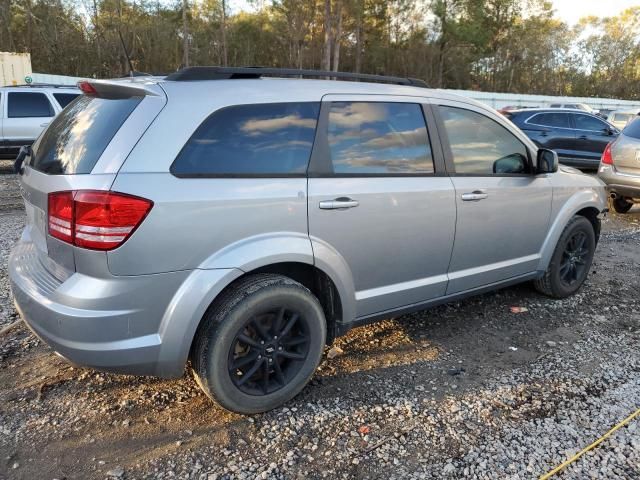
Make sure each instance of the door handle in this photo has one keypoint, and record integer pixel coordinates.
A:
(474, 196)
(44, 124)
(338, 203)
(582, 137)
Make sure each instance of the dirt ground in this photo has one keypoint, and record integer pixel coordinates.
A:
(463, 390)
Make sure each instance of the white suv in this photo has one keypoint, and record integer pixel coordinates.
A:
(26, 110)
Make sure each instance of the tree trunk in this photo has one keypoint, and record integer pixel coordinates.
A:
(224, 33)
(185, 35)
(359, 35)
(337, 38)
(326, 61)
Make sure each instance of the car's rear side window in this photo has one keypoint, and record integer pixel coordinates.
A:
(28, 104)
(378, 138)
(633, 128)
(271, 139)
(551, 119)
(77, 137)
(65, 99)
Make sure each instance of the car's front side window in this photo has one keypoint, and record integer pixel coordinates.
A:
(481, 146)
(585, 122)
(379, 138)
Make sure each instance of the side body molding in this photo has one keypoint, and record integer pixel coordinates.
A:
(566, 203)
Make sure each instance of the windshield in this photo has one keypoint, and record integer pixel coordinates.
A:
(77, 137)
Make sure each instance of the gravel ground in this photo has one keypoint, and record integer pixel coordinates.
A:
(467, 390)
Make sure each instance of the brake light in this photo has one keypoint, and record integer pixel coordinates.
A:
(87, 88)
(606, 158)
(97, 220)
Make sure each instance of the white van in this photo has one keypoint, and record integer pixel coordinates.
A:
(26, 110)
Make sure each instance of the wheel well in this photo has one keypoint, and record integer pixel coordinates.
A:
(591, 214)
(320, 285)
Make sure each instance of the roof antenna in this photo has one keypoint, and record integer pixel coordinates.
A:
(126, 54)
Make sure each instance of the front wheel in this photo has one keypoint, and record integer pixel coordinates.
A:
(259, 344)
(571, 260)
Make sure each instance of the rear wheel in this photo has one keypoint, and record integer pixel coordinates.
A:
(259, 344)
(571, 260)
(621, 205)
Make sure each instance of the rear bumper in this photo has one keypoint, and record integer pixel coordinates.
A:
(112, 324)
(624, 184)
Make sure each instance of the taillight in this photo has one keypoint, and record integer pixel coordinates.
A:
(97, 220)
(87, 88)
(606, 158)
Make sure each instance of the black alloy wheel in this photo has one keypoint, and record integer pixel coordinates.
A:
(573, 263)
(268, 351)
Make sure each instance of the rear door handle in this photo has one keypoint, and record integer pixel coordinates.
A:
(44, 124)
(338, 203)
(474, 196)
(582, 137)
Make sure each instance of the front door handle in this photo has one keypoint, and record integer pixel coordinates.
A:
(474, 196)
(582, 137)
(44, 124)
(338, 203)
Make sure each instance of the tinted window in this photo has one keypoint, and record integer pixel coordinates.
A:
(79, 134)
(378, 138)
(633, 128)
(65, 99)
(585, 122)
(551, 119)
(481, 146)
(29, 104)
(262, 139)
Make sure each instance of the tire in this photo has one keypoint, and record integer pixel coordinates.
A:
(621, 205)
(251, 311)
(565, 276)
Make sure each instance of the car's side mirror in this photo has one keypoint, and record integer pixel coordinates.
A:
(609, 131)
(546, 161)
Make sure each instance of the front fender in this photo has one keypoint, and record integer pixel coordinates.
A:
(574, 202)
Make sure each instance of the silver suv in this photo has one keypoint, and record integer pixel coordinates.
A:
(243, 222)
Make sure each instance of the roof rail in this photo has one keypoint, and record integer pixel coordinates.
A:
(228, 73)
(42, 85)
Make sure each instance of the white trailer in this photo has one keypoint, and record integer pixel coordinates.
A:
(15, 68)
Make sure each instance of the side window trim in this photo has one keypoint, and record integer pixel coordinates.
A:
(446, 146)
(320, 165)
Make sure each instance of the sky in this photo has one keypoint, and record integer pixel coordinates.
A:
(573, 10)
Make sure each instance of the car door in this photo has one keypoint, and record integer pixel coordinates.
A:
(27, 114)
(592, 136)
(379, 200)
(503, 208)
(551, 130)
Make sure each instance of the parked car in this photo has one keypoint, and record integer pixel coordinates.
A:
(26, 110)
(620, 168)
(620, 118)
(578, 137)
(245, 222)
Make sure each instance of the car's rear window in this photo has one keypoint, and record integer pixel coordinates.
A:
(77, 137)
(633, 128)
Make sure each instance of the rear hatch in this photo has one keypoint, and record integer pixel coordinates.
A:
(626, 150)
(82, 149)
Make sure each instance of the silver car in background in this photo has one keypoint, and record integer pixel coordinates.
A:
(620, 167)
(243, 222)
